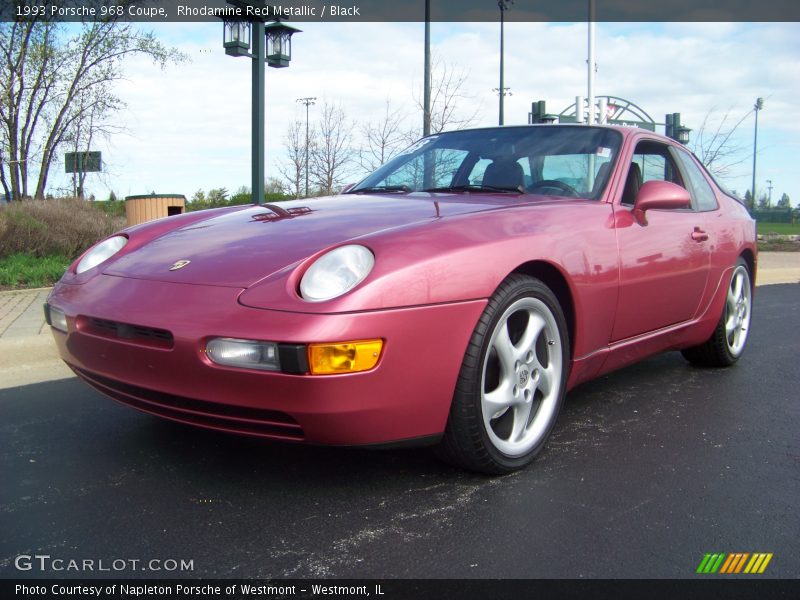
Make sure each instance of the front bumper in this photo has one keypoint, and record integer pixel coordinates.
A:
(407, 395)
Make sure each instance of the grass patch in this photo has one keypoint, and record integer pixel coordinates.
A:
(779, 246)
(20, 271)
(779, 228)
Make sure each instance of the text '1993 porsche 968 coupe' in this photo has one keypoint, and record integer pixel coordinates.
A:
(451, 298)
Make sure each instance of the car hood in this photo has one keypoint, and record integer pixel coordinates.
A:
(237, 249)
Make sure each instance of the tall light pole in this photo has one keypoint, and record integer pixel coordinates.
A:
(503, 5)
(769, 198)
(759, 105)
(426, 86)
(590, 62)
(308, 102)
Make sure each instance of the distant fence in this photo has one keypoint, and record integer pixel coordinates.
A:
(775, 215)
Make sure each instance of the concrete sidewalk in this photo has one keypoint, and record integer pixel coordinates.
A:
(28, 354)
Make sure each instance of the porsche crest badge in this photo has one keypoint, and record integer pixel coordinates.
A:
(179, 264)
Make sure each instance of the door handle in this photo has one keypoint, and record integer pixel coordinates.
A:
(698, 235)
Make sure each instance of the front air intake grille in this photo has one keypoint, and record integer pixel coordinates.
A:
(148, 336)
(213, 415)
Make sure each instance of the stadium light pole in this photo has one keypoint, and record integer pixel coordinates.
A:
(503, 5)
(426, 86)
(769, 191)
(759, 105)
(308, 102)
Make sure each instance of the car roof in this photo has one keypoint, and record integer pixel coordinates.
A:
(626, 131)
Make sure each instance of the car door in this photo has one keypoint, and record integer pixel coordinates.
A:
(664, 259)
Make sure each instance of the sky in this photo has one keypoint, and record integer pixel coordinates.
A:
(187, 127)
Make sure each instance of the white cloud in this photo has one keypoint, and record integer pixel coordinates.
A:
(190, 124)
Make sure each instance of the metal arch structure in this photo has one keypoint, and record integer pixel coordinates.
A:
(620, 112)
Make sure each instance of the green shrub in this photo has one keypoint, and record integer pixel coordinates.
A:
(42, 228)
(113, 208)
(216, 199)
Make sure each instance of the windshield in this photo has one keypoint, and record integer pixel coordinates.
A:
(566, 161)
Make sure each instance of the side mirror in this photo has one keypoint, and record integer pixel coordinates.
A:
(347, 188)
(661, 195)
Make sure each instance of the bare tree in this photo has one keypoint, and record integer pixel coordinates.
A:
(3, 162)
(273, 185)
(716, 145)
(382, 139)
(294, 168)
(95, 107)
(448, 90)
(331, 153)
(44, 72)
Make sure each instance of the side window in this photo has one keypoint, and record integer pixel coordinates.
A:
(699, 187)
(579, 171)
(651, 161)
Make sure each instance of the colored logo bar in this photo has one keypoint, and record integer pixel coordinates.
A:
(734, 563)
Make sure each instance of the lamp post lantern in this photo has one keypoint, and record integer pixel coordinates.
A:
(759, 105)
(675, 129)
(682, 134)
(236, 38)
(279, 44)
(265, 45)
(308, 102)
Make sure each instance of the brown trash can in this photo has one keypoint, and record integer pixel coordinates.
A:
(140, 209)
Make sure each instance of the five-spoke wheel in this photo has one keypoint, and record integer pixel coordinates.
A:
(727, 343)
(521, 377)
(737, 310)
(512, 380)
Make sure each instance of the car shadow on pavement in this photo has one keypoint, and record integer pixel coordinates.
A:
(67, 419)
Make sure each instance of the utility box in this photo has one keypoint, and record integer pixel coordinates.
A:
(140, 209)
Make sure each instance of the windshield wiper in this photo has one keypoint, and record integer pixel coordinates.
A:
(381, 188)
(474, 187)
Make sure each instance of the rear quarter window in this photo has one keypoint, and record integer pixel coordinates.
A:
(698, 185)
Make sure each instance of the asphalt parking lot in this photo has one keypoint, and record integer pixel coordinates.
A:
(648, 469)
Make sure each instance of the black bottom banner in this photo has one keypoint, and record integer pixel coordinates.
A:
(397, 589)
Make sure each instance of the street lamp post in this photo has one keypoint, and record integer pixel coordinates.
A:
(271, 45)
(503, 5)
(308, 102)
(759, 105)
(769, 191)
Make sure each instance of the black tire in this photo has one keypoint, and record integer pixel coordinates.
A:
(526, 368)
(727, 343)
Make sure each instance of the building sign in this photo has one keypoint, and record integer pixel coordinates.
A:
(82, 162)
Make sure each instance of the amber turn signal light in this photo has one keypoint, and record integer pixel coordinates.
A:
(344, 357)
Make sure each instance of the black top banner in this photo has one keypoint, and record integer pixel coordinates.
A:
(157, 11)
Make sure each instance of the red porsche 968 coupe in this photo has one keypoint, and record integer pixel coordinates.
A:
(451, 298)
